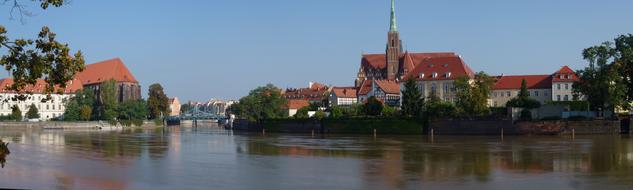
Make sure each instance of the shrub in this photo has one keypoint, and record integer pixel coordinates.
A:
(526, 115)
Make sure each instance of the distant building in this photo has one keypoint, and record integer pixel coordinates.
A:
(174, 106)
(543, 88)
(386, 91)
(53, 108)
(315, 92)
(294, 105)
(128, 88)
(343, 96)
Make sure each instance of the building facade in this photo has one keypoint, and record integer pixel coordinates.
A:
(174, 106)
(343, 96)
(127, 87)
(53, 108)
(554, 87)
(386, 91)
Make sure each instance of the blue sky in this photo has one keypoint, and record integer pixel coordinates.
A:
(200, 49)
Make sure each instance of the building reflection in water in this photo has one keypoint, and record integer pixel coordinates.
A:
(401, 162)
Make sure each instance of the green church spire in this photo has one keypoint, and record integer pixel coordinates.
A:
(393, 25)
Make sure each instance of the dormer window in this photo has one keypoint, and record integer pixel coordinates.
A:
(431, 65)
(445, 65)
(421, 75)
(448, 75)
(434, 75)
(568, 76)
(561, 77)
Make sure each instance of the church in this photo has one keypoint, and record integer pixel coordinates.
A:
(435, 73)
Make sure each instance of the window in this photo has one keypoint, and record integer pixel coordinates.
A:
(433, 89)
(566, 86)
(448, 75)
(535, 93)
(495, 95)
(558, 86)
(561, 77)
(568, 76)
(509, 93)
(495, 104)
(446, 88)
(421, 75)
(434, 75)
(566, 97)
(47, 107)
(558, 97)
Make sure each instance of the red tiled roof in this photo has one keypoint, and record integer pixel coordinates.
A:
(102, 71)
(388, 86)
(365, 87)
(344, 92)
(565, 71)
(297, 104)
(532, 81)
(71, 86)
(445, 68)
(317, 86)
(379, 61)
(306, 94)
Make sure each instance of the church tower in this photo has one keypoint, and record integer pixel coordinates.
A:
(394, 46)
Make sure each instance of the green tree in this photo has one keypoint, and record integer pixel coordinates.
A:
(336, 112)
(388, 111)
(303, 113)
(354, 110)
(157, 102)
(133, 112)
(412, 101)
(28, 60)
(436, 108)
(600, 82)
(106, 107)
(32, 113)
(373, 107)
(264, 102)
(16, 113)
(624, 58)
(320, 114)
(73, 111)
(523, 99)
(85, 112)
(472, 97)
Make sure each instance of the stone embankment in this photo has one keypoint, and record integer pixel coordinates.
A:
(97, 125)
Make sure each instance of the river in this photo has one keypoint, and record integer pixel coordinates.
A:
(209, 157)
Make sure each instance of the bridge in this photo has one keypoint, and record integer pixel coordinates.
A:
(198, 114)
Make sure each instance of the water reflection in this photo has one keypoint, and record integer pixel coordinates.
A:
(4, 151)
(194, 158)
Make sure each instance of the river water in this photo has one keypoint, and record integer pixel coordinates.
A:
(209, 157)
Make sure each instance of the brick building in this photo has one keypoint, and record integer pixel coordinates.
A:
(127, 87)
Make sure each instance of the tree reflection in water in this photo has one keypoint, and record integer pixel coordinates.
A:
(4, 151)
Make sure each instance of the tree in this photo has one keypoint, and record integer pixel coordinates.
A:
(264, 102)
(107, 104)
(412, 101)
(85, 113)
(320, 114)
(436, 108)
(472, 97)
(600, 82)
(45, 58)
(373, 107)
(157, 102)
(624, 58)
(302, 113)
(336, 112)
(523, 99)
(388, 111)
(16, 113)
(133, 112)
(33, 113)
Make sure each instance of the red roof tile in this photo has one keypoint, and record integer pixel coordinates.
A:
(379, 61)
(365, 87)
(102, 71)
(297, 104)
(532, 81)
(344, 92)
(567, 74)
(444, 68)
(71, 86)
(388, 86)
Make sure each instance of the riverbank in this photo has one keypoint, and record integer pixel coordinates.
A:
(64, 125)
(436, 127)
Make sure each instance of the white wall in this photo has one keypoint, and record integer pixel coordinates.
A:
(48, 110)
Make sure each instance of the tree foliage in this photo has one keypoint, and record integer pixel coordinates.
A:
(336, 112)
(624, 60)
(261, 103)
(157, 102)
(302, 113)
(412, 100)
(28, 60)
(85, 113)
(436, 108)
(133, 112)
(602, 82)
(32, 113)
(523, 100)
(16, 113)
(373, 107)
(472, 97)
(107, 104)
(79, 104)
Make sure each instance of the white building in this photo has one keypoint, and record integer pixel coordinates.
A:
(50, 109)
(343, 96)
(543, 88)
